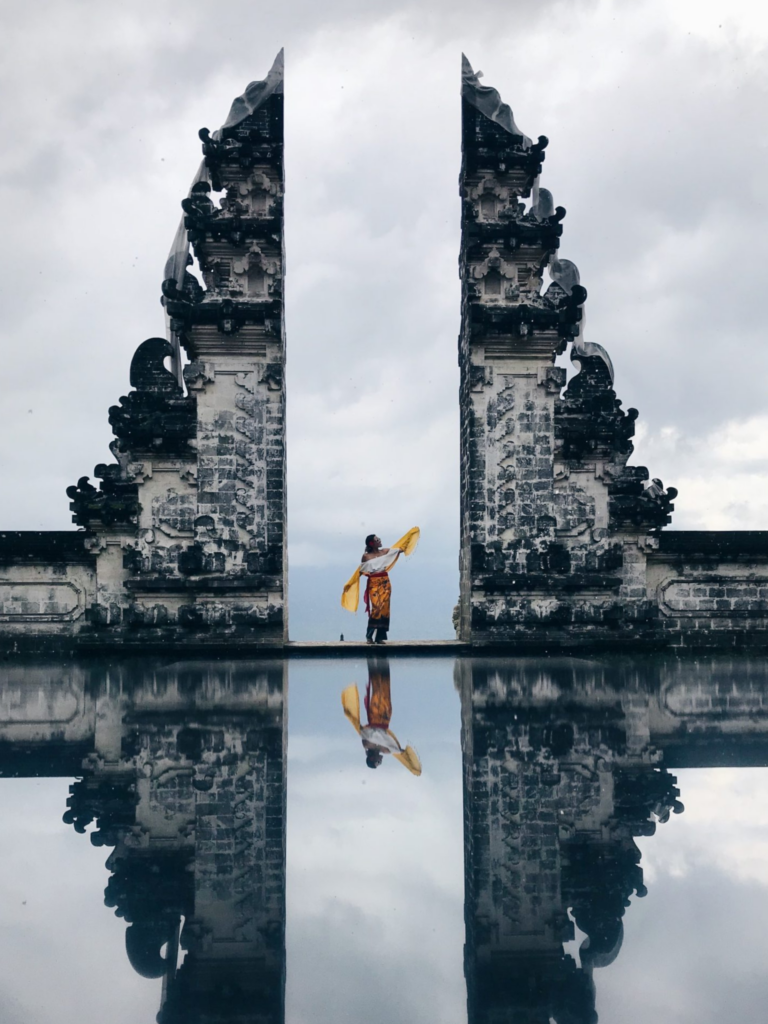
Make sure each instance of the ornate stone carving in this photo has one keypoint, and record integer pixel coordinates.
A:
(498, 279)
(550, 514)
(157, 416)
(488, 101)
(589, 420)
(113, 503)
(551, 378)
(636, 505)
(256, 275)
(257, 196)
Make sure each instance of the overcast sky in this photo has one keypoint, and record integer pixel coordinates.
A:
(655, 112)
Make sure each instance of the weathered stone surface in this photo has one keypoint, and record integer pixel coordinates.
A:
(559, 536)
(157, 416)
(185, 531)
(234, 335)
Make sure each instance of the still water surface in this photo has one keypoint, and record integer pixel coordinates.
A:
(520, 853)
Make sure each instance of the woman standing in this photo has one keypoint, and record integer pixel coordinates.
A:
(375, 565)
(378, 590)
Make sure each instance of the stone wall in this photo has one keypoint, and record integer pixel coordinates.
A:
(711, 588)
(46, 583)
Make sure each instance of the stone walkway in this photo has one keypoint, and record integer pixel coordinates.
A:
(336, 648)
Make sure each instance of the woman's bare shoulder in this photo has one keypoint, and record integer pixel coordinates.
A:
(368, 556)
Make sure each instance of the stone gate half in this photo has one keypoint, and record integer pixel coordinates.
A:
(183, 538)
(561, 540)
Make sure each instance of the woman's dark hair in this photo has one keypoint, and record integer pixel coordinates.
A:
(369, 541)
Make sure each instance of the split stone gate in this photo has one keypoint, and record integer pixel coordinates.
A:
(182, 540)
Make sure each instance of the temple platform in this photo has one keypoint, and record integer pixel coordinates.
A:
(358, 648)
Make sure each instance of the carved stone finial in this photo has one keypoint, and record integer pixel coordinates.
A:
(582, 351)
(543, 205)
(488, 101)
(635, 504)
(256, 94)
(157, 416)
(589, 420)
(115, 503)
(565, 274)
(148, 371)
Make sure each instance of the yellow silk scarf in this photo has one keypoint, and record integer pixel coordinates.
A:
(350, 596)
(350, 701)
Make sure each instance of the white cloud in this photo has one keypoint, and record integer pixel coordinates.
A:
(375, 858)
(722, 476)
(64, 959)
(724, 827)
(655, 116)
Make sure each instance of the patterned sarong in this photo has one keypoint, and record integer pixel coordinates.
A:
(378, 704)
(378, 592)
(378, 697)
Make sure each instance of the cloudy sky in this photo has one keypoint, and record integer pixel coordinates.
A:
(655, 112)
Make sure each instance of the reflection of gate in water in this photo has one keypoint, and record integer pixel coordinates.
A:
(565, 764)
(183, 774)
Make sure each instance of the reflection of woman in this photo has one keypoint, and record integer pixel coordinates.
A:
(374, 565)
(378, 739)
